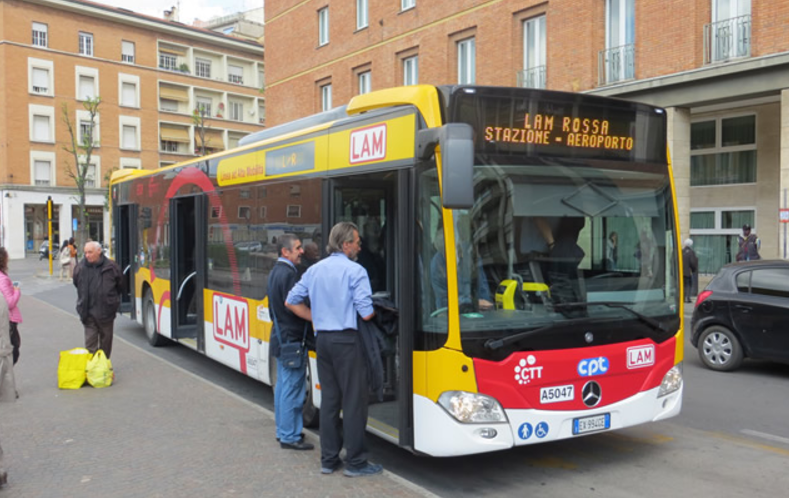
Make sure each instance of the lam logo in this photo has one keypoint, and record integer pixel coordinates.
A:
(640, 356)
(368, 144)
(231, 321)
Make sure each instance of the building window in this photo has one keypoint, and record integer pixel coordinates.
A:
(216, 212)
(127, 52)
(365, 82)
(202, 67)
(85, 44)
(466, 61)
(41, 128)
(723, 151)
(407, 4)
(168, 146)
(39, 34)
(715, 233)
(90, 176)
(129, 137)
(293, 211)
(168, 105)
(235, 74)
(361, 14)
(263, 212)
(168, 62)
(323, 26)
(87, 87)
(203, 106)
(128, 94)
(728, 36)
(617, 61)
(42, 173)
(86, 129)
(411, 70)
(533, 74)
(326, 97)
(41, 80)
(244, 212)
(236, 110)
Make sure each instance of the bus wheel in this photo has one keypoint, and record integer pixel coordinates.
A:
(149, 321)
(309, 412)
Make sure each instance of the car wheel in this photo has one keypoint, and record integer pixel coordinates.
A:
(149, 321)
(719, 349)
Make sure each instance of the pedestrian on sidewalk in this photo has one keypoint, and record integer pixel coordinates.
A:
(7, 383)
(64, 258)
(99, 285)
(289, 390)
(690, 267)
(339, 290)
(11, 292)
(750, 244)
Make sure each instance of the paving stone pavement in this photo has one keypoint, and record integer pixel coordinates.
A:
(159, 431)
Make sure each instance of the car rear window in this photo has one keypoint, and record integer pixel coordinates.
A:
(769, 282)
(743, 281)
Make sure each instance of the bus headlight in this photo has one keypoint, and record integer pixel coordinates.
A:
(471, 408)
(671, 381)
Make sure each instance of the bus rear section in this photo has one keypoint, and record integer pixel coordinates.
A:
(551, 305)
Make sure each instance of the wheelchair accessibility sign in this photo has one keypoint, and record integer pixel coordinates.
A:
(526, 430)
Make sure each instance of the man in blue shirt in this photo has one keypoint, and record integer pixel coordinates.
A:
(289, 390)
(339, 292)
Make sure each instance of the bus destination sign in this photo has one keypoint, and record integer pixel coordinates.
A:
(544, 124)
(548, 129)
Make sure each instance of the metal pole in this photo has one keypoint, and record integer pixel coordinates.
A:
(49, 228)
(785, 206)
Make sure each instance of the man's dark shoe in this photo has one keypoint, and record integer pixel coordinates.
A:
(298, 445)
(331, 469)
(369, 470)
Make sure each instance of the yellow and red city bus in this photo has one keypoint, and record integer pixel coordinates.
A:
(528, 239)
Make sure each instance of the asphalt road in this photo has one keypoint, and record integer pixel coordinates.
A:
(731, 440)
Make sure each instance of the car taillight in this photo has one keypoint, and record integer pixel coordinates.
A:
(704, 295)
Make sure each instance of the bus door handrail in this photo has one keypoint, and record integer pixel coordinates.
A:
(181, 288)
(126, 270)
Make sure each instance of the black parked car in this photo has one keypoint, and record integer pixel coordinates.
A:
(744, 311)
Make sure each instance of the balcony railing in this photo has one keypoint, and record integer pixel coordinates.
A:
(727, 39)
(533, 77)
(616, 64)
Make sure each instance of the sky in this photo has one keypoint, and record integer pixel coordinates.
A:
(189, 9)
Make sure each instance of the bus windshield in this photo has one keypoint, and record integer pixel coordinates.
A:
(561, 247)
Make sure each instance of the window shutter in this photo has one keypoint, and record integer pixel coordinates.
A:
(41, 128)
(129, 137)
(42, 172)
(86, 90)
(129, 94)
(40, 78)
(127, 51)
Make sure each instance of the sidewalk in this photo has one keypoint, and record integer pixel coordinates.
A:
(159, 431)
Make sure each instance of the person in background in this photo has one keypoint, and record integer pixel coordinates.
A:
(749, 245)
(690, 267)
(312, 254)
(611, 251)
(64, 258)
(289, 390)
(99, 285)
(11, 292)
(73, 251)
(339, 292)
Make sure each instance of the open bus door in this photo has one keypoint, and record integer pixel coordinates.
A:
(187, 263)
(125, 224)
(379, 206)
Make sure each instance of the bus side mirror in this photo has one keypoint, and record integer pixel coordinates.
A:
(457, 161)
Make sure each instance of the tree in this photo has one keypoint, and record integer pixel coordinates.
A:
(80, 147)
(198, 119)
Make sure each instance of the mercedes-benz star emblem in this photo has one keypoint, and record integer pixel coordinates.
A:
(591, 393)
(589, 337)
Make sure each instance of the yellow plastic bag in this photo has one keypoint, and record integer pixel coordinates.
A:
(71, 369)
(99, 370)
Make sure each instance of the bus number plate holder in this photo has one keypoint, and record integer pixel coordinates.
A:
(594, 423)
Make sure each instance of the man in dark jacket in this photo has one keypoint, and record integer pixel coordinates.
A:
(99, 284)
(289, 390)
(690, 266)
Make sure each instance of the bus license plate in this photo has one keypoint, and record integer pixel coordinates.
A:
(591, 424)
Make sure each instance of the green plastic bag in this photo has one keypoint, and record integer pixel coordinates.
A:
(99, 370)
(71, 368)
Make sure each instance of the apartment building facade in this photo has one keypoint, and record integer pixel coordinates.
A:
(150, 74)
(719, 67)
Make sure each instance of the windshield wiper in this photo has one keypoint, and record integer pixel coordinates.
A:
(499, 343)
(656, 325)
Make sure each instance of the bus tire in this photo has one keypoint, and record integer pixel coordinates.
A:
(155, 339)
(310, 414)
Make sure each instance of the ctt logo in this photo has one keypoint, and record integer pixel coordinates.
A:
(593, 366)
(525, 371)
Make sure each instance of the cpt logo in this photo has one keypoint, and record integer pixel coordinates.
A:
(593, 366)
(231, 321)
